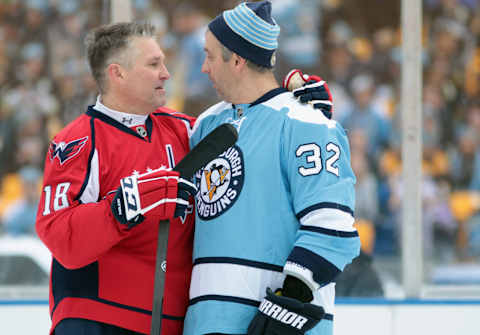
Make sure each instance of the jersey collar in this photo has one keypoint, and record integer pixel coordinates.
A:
(269, 95)
(105, 115)
(128, 120)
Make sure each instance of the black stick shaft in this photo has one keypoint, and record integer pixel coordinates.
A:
(163, 230)
(215, 143)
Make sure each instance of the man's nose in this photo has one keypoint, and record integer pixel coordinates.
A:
(204, 67)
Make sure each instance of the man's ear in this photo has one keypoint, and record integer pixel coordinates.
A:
(239, 61)
(115, 72)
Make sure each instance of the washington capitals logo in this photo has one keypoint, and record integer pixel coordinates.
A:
(65, 151)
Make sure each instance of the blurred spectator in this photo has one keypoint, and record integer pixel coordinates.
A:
(32, 67)
(342, 103)
(465, 206)
(455, 9)
(472, 117)
(300, 43)
(365, 115)
(360, 278)
(440, 226)
(27, 106)
(66, 37)
(339, 68)
(464, 158)
(189, 24)
(19, 217)
(10, 191)
(388, 174)
(34, 21)
(437, 121)
(140, 8)
(473, 230)
(339, 34)
(383, 42)
(366, 197)
(438, 223)
(75, 89)
(68, 65)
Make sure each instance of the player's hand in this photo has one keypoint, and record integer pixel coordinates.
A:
(159, 194)
(278, 315)
(310, 89)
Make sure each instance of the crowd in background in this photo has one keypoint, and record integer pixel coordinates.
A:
(354, 45)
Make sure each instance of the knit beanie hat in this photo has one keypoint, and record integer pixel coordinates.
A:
(250, 31)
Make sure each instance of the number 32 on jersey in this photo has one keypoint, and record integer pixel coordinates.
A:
(313, 156)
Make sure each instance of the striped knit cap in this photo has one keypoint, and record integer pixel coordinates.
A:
(250, 31)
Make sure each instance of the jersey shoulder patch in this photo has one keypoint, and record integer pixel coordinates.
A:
(71, 141)
(65, 151)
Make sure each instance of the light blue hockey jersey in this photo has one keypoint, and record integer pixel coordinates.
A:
(279, 202)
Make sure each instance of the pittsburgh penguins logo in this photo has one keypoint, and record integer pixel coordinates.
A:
(219, 184)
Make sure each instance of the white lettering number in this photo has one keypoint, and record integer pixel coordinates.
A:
(48, 194)
(60, 201)
(333, 159)
(313, 156)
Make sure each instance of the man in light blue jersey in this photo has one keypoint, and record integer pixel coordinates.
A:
(275, 211)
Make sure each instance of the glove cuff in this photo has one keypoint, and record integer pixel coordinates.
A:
(297, 289)
(118, 210)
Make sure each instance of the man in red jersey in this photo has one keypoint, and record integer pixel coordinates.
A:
(102, 274)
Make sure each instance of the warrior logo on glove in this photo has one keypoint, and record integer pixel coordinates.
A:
(279, 315)
(282, 314)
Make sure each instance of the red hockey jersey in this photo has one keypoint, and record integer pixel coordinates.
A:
(100, 270)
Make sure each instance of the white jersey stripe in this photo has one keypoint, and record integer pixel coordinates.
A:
(92, 191)
(329, 218)
(241, 281)
(233, 280)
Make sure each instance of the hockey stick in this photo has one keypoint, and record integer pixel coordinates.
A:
(215, 143)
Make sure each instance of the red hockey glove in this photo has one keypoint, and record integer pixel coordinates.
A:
(161, 193)
(279, 315)
(310, 89)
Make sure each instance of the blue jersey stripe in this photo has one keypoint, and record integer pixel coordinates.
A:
(225, 298)
(249, 302)
(323, 271)
(330, 232)
(321, 205)
(239, 261)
